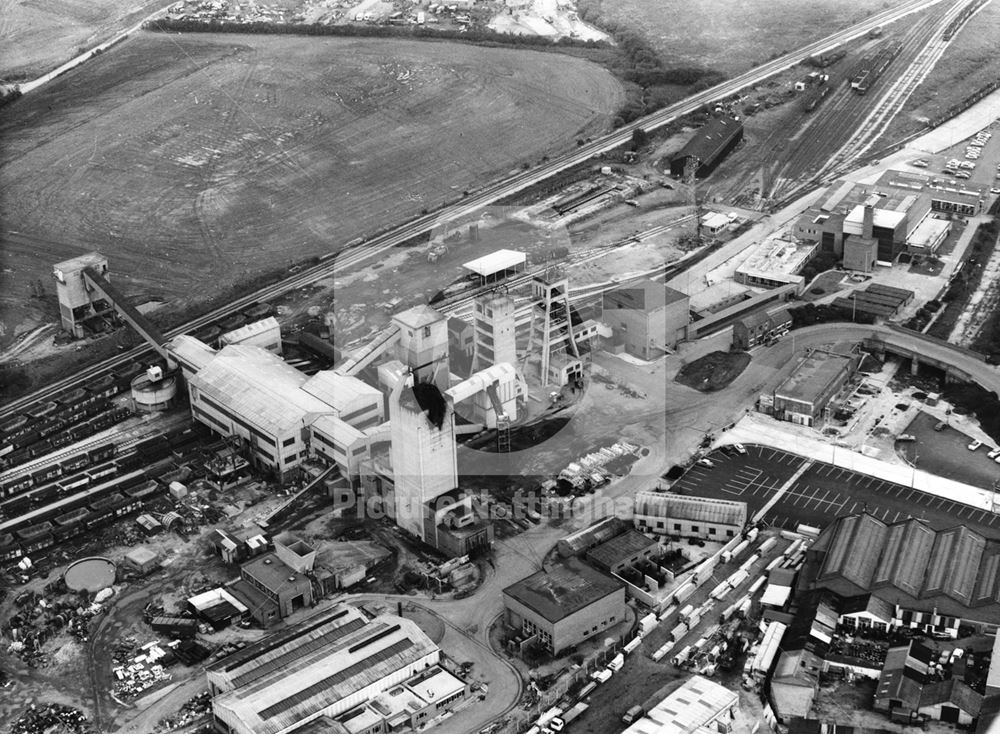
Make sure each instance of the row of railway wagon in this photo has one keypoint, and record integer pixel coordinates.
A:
(37, 517)
(66, 418)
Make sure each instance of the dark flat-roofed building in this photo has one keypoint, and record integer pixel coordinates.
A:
(623, 551)
(287, 589)
(709, 145)
(803, 397)
(565, 604)
(761, 327)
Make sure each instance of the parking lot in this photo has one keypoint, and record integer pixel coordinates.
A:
(822, 493)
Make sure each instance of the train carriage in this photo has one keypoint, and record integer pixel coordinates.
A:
(74, 463)
(71, 484)
(101, 453)
(16, 486)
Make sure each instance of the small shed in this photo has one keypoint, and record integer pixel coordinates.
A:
(142, 559)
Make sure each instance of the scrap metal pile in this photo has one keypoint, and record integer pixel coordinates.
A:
(51, 718)
(39, 620)
(135, 673)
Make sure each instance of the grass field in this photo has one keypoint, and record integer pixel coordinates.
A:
(969, 63)
(196, 161)
(733, 35)
(38, 35)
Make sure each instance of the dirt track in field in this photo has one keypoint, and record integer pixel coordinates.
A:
(195, 161)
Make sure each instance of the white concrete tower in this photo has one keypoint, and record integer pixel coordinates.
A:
(423, 453)
(495, 335)
(423, 344)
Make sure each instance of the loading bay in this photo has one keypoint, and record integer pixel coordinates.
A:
(822, 493)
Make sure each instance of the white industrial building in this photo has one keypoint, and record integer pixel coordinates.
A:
(281, 413)
(338, 666)
(689, 517)
(265, 334)
(699, 705)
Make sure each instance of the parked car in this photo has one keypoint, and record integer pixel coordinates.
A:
(706, 463)
(975, 445)
(993, 454)
(940, 426)
(906, 437)
(740, 449)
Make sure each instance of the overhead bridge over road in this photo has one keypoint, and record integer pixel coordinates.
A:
(957, 363)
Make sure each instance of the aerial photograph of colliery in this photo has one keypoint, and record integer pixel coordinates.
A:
(499, 367)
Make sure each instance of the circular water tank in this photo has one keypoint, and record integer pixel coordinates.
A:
(90, 574)
(149, 395)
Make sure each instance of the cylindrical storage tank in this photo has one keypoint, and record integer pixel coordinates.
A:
(678, 632)
(774, 564)
(752, 535)
(720, 591)
(695, 618)
(647, 623)
(755, 586)
(662, 651)
(728, 613)
(686, 613)
(714, 653)
(705, 570)
(727, 556)
(744, 607)
(702, 641)
(149, 396)
(767, 545)
(682, 656)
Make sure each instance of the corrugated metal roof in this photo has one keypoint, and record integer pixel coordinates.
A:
(250, 330)
(306, 684)
(340, 391)
(192, 352)
(695, 704)
(697, 509)
(259, 387)
(419, 316)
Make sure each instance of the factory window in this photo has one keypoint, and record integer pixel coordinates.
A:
(288, 441)
(359, 412)
(694, 528)
(427, 332)
(290, 458)
(677, 526)
(730, 534)
(358, 451)
(711, 531)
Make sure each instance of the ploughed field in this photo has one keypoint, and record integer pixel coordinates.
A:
(194, 161)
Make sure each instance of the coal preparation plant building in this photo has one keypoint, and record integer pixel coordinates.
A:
(709, 146)
(564, 605)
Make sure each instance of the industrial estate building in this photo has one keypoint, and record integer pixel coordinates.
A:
(805, 395)
(685, 516)
(338, 666)
(708, 146)
(900, 213)
(699, 705)
(563, 605)
(935, 579)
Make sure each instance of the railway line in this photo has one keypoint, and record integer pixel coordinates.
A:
(359, 253)
(876, 123)
(838, 121)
